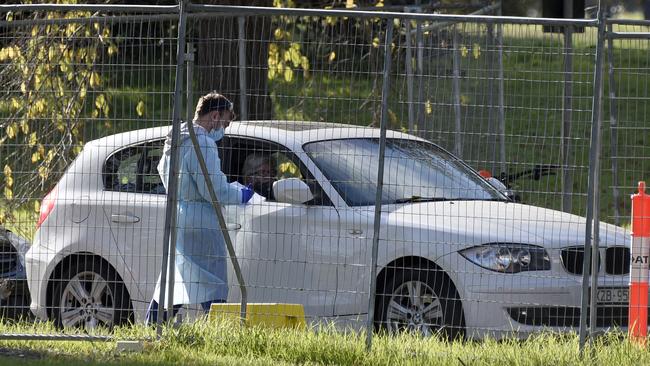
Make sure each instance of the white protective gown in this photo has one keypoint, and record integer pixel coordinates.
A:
(200, 248)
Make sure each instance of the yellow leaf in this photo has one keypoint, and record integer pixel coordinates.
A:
(24, 126)
(112, 50)
(37, 206)
(349, 4)
(11, 130)
(271, 73)
(464, 51)
(375, 42)
(476, 50)
(288, 75)
(34, 31)
(35, 157)
(15, 105)
(464, 99)
(95, 80)
(23, 87)
(43, 172)
(7, 170)
(428, 108)
(50, 156)
(9, 181)
(380, 4)
(41, 150)
(331, 57)
(100, 100)
(139, 109)
(304, 62)
(9, 194)
(3, 54)
(33, 139)
(278, 33)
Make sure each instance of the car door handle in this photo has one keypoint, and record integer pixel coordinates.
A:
(233, 226)
(129, 219)
(355, 231)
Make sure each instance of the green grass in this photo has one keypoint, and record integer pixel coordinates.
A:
(205, 343)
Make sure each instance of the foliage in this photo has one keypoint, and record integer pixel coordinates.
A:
(50, 85)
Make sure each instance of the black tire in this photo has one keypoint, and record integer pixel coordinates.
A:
(88, 272)
(444, 317)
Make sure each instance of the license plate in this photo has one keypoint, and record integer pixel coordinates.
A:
(612, 295)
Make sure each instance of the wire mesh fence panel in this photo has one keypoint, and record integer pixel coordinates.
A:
(483, 264)
(625, 135)
(625, 144)
(80, 184)
(87, 100)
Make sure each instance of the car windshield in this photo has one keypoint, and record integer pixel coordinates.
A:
(414, 171)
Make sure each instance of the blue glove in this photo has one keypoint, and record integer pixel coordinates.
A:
(247, 193)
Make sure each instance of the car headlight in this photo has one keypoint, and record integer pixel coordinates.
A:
(508, 258)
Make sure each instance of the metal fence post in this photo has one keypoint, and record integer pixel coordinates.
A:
(592, 193)
(189, 64)
(409, 77)
(419, 69)
(458, 143)
(380, 182)
(243, 102)
(169, 237)
(565, 140)
(501, 100)
(613, 124)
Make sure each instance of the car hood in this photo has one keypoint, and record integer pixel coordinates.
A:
(469, 223)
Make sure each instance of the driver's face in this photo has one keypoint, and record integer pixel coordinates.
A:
(263, 173)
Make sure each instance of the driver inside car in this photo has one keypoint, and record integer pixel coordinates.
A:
(259, 172)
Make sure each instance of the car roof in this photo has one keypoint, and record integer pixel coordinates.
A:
(290, 133)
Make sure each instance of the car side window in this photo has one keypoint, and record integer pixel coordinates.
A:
(134, 169)
(260, 163)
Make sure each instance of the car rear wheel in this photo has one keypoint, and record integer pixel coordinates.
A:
(422, 302)
(89, 294)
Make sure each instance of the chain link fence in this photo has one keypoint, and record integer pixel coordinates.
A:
(362, 135)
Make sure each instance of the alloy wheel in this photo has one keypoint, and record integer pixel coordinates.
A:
(414, 307)
(87, 302)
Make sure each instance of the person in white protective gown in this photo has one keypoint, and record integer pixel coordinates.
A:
(200, 271)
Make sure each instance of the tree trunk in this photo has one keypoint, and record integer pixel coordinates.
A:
(217, 62)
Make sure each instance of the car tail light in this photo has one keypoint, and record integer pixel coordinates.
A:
(46, 207)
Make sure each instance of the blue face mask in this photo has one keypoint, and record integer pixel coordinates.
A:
(216, 134)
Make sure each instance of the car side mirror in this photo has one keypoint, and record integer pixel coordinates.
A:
(292, 190)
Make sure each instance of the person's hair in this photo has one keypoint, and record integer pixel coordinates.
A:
(253, 162)
(212, 101)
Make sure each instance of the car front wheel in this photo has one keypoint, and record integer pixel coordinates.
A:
(420, 301)
(89, 294)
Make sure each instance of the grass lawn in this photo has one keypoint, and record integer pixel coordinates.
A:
(205, 343)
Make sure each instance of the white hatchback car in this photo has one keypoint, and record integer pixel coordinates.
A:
(454, 253)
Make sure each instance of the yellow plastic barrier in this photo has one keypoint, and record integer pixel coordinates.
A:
(265, 314)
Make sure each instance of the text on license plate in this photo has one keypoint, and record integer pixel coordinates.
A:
(612, 295)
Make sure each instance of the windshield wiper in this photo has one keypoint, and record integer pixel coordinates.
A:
(414, 199)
